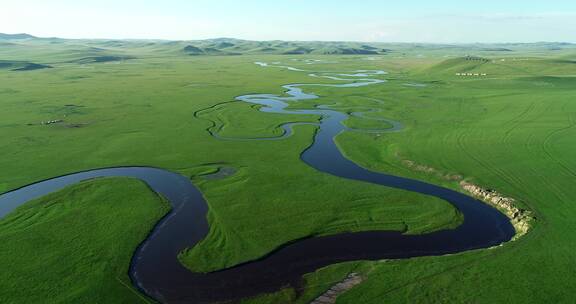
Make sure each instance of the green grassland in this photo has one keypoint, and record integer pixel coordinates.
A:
(367, 123)
(75, 245)
(150, 103)
(509, 132)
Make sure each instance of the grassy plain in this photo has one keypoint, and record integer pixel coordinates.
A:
(75, 245)
(508, 131)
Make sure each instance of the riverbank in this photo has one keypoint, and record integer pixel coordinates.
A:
(75, 245)
(521, 219)
(331, 295)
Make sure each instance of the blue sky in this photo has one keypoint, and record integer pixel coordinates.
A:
(361, 20)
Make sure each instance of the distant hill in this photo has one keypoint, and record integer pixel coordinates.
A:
(86, 51)
(298, 51)
(223, 45)
(192, 50)
(496, 49)
(230, 46)
(22, 65)
(101, 59)
(16, 36)
(212, 49)
(351, 51)
(368, 47)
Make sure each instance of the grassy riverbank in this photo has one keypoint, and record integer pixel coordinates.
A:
(141, 112)
(75, 245)
(513, 134)
(509, 131)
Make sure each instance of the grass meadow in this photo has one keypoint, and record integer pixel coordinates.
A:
(510, 130)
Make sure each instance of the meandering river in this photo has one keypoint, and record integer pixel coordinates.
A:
(156, 271)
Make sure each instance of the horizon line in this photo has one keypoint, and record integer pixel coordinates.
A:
(267, 40)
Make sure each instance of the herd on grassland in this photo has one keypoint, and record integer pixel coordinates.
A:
(471, 74)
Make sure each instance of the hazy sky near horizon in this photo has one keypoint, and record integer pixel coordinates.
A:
(441, 21)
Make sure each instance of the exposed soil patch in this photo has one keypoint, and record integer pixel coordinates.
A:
(520, 218)
(329, 296)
